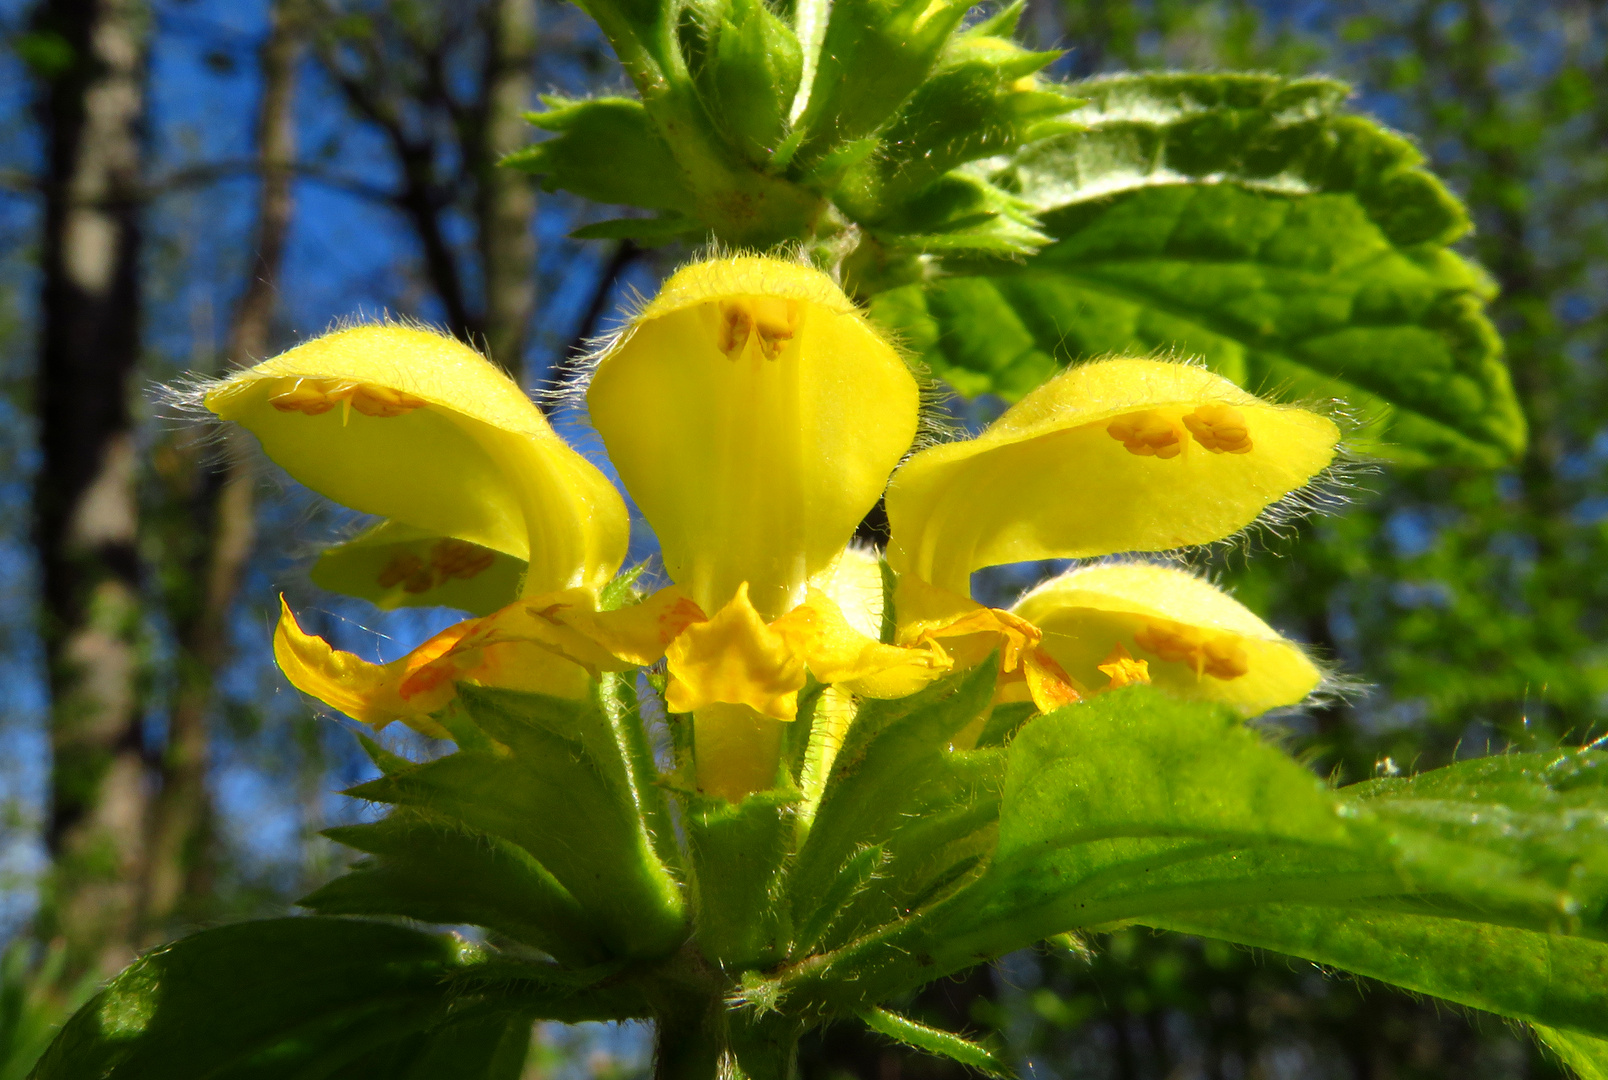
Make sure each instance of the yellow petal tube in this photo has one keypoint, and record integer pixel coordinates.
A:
(1112, 625)
(495, 651)
(854, 583)
(1119, 455)
(393, 565)
(754, 415)
(419, 428)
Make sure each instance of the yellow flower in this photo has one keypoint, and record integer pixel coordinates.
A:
(755, 417)
(1122, 623)
(1116, 456)
(420, 429)
(552, 644)
(1120, 455)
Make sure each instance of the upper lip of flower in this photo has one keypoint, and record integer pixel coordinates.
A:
(755, 416)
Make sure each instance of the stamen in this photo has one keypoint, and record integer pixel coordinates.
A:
(460, 559)
(1221, 656)
(1225, 658)
(776, 321)
(736, 321)
(448, 559)
(773, 321)
(401, 567)
(383, 402)
(1147, 434)
(303, 396)
(1220, 428)
(317, 396)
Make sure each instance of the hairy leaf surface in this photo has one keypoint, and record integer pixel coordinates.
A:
(334, 997)
(1247, 221)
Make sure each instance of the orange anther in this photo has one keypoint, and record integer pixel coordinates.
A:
(1048, 684)
(1221, 656)
(460, 559)
(401, 566)
(773, 322)
(736, 323)
(1220, 428)
(1225, 658)
(316, 396)
(383, 402)
(310, 396)
(1148, 434)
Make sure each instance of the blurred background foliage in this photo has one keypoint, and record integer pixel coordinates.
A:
(189, 184)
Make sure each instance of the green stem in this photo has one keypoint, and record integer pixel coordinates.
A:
(765, 1049)
(689, 1038)
(699, 1036)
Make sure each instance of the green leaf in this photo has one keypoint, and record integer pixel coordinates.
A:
(1586, 1055)
(1540, 978)
(874, 54)
(485, 1049)
(1526, 833)
(269, 999)
(1101, 796)
(739, 854)
(385, 761)
(749, 76)
(1135, 803)
(1136, 806)
(896, 785)
(1261, 131)
(1247, 221)
(1004, 721)
(607, 150)
(851, 877)
(961, 213)
(648, 231)
(436, 870)
(974, 106)
(935, 1041)
(571, 800)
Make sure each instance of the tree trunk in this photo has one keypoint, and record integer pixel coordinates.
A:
(447, 146)
(218, 508)
(505, 201)
(85, 511)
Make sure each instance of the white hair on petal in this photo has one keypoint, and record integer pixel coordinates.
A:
(933, 425)
(181, 402)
